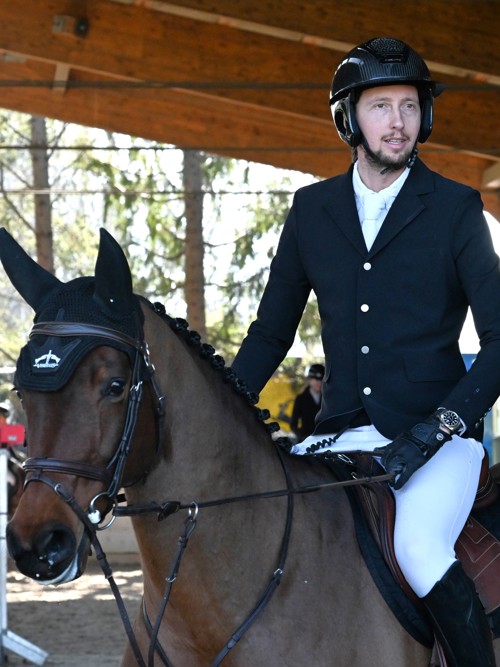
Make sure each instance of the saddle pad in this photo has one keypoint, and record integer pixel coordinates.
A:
(404, 609)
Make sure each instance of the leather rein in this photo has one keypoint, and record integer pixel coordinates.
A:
(112, 475)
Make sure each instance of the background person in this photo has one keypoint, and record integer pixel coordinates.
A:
(306, 405)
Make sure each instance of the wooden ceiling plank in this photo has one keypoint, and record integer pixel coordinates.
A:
(145, 46)
(184, 118)
(140, 35)
(471, 27)
(452, 126)
(203, 55)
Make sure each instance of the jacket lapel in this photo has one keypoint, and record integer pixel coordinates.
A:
(406, 206)
(341, 208)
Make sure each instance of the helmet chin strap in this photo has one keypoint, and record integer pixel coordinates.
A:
(413, 156)
(410, 162)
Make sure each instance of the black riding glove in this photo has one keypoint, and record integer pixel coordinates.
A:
(411, 449)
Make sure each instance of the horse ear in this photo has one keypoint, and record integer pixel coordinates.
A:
(31, 280)
(113, 280)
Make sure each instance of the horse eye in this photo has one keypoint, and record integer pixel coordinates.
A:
(115, 388)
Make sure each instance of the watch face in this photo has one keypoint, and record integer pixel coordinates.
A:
(451, 420)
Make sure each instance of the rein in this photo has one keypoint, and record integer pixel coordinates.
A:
(165, 509)
(91, 528)
(189, 527)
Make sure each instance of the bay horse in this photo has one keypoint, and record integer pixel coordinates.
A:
(118, 395)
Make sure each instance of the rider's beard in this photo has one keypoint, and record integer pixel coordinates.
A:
(383, 162)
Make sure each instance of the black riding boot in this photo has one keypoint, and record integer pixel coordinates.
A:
(459, 620)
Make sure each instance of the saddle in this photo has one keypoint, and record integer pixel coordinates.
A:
(477, 548)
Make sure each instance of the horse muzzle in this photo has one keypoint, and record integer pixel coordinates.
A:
(51, 556)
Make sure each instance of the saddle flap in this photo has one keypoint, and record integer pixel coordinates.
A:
(479, 552)
(477, 549)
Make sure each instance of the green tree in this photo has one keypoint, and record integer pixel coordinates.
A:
(155, 199)
(33, 212)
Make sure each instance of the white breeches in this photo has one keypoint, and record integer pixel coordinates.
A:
(431, 508)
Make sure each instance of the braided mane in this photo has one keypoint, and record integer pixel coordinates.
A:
(193, 339)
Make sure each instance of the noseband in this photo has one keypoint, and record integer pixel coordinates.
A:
(112, 473)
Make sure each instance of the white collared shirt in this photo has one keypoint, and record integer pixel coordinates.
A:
(380, 202)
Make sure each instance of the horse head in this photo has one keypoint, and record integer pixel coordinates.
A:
(79, 377)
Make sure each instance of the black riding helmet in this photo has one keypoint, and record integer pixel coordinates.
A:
(379, 62)
(316, 371)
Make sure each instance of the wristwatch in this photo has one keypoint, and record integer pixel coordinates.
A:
(450, 420)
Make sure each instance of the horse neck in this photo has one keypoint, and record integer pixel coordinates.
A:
(213, 441)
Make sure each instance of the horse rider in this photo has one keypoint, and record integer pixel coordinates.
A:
(395, 254)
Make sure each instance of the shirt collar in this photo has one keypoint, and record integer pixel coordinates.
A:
(389, 194)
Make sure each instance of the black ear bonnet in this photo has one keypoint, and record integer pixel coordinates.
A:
(46, 363)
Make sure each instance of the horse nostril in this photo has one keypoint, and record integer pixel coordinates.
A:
(48, 553)
(55, 546)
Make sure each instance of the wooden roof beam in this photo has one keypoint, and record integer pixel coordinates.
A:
(189, 120)
(171, 51)
(191, 10)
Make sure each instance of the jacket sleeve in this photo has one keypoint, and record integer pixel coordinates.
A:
(478, 270)
(272, 333)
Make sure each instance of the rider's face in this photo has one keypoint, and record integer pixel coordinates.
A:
(389, 119)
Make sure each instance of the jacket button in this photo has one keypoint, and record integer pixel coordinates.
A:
(367, 266)
(365, 308)
(365, 349)
(367, 391)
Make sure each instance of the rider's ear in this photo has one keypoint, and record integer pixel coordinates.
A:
(113, 280)
(33, 282)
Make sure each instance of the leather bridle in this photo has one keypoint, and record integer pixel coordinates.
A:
(112, 474)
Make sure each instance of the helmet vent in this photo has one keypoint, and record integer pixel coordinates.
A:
(388, 50)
